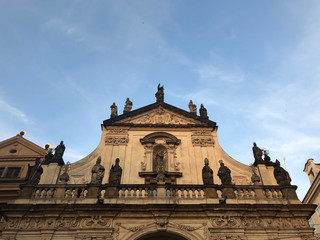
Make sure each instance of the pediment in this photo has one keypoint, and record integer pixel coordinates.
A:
(161, 116)
(18, 146)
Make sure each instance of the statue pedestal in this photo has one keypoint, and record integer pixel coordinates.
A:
(228, 191)
(161, 190)
(289, 192)
(26, 191)
(93, 191)
(211, 192)
(50, 173)
(111, 192)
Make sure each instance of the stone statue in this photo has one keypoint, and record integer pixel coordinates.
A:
(192, 107)
(160, 168)
(257, 153)
(58, 153)
(115, 173)
(34, 173)
(203, 112)
(128, 106)
(224, 174)
(160, 94)
(254, 178)
(48, 157)
(114, 110)
(266, 158)
(207, 173)
(281, 175)
(97, 172)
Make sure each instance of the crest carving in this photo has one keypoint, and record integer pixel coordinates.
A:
(202, 138)
(117, 137)
(161, 116)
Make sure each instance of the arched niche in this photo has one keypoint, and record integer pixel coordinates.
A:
(160, 147)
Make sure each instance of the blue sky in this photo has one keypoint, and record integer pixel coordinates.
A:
(253, 64)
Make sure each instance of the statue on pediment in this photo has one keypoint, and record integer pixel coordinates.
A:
(257, 153)
(192, 107)
(281, 175)
(128, 106)
(97, 172)
(207, 173)
(203, 112)
(160, 94)
(34, 173)
(114, 110)
(224, 174)
(115, 173)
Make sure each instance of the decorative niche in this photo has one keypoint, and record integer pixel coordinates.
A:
(160, 156)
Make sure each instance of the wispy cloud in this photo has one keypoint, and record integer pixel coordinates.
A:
(208, 72)
(6, 107)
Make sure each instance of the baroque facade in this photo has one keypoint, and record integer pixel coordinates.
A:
(157, 173)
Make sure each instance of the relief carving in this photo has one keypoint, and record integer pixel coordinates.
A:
(57, 223)
(202, 138)
(117, 137)
(161, 116)
(258, 222)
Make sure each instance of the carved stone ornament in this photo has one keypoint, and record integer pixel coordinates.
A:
(258, 222)
(36, 223)
(202, 138)
(161, 116)
(117, 137)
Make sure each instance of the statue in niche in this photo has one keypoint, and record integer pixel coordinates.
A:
(160, 164)
(114, 110)
(58, 153)
(160, 94)
(281, 175)
(115, 173)
(224, 174)
(34, 173)
(203, 112)
(257, 153)
(128, 106)
(192, 107)
(97, 172)
(207, 173)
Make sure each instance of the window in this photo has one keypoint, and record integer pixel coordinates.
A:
(1, 171)
(13, 172)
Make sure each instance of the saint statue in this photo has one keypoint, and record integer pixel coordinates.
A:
(128, 106)
(58, 153)
(257, 153)
(160, 94)
(114, 110)
(203, 112)
(97, 172)
(224, 174)
(207, 173)
(192, 107)
(281, 175)
(34, 173)
(115, 173)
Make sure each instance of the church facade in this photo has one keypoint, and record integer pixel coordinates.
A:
(157, 173)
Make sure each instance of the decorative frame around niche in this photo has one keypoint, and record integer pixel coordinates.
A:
(151, 143)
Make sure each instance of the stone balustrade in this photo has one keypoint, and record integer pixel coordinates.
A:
(154, 191)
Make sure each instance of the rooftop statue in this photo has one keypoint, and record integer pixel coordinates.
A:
(160, 94)
(97, 172)
(58, 154)
(114, 110)
(281, 175)
(266, 158)
(224, 174)
(257, 153)
(207, 173)
(203, 112)
(192, 107)
(128, 106)
(115, 173)
(34, 173)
